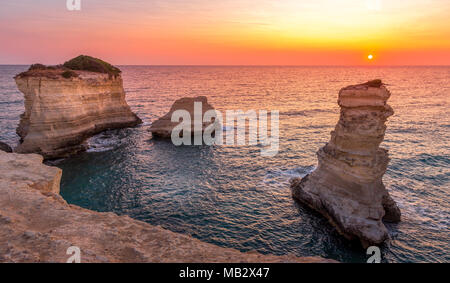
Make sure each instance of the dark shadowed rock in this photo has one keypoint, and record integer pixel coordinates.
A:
(5, 147)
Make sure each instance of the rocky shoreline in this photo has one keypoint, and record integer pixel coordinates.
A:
(38, 225)
(65, 105)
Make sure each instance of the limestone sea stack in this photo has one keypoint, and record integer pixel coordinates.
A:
(163, 127)
(66, 104)
(347, 186)
(38, 225)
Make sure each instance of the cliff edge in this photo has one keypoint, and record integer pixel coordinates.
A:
(66, 104)
(37, 225)
(347, 186)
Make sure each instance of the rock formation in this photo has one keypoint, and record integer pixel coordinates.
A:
(163, 127)
(37, 225)
(5, 147)
(347, 186)
(63, 107)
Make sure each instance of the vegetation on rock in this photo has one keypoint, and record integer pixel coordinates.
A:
(37, 67)
(69, 74)
(88, 63)
(66, 70)
(374, 83)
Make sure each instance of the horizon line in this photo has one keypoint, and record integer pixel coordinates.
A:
(245, 65)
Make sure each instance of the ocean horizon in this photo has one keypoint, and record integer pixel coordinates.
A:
(250, 65)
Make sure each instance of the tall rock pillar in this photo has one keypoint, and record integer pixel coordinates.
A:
(347, 186)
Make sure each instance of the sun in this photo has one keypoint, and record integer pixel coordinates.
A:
(370, 57)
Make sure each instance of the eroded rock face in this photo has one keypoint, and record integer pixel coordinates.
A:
(163, 127)
(37, 225)
(347, 185)
(62, 111)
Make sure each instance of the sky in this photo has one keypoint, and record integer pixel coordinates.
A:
(228, 32)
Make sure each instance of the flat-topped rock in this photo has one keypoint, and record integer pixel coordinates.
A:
(28, 170)
(347, 185)
(163, 126)
(64, 107)
(37, 225)
(372, 93)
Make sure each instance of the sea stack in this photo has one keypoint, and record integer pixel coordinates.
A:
(66, 104)
(162, 128)
(347, 186)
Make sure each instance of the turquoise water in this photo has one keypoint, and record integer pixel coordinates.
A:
(231, 195)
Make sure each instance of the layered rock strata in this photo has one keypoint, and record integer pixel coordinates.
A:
(347, 186)
(163, 127)
(65, 107)
(37, 225)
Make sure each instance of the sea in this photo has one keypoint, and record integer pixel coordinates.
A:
(231, 195)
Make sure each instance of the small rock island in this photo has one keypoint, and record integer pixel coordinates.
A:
(66, 104)
(347, 186)
(162, 128)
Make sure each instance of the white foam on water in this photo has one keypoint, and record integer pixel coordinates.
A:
(279, 175)
(105, 141)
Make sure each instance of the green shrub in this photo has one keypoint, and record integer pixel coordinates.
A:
(37, 67)
(88, 63)
(69, 74)
(374, 83)
(42, 67)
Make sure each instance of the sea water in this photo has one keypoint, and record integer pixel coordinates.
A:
(232, 196)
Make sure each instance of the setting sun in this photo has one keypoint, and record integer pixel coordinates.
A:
(370, 57)
(229, 32)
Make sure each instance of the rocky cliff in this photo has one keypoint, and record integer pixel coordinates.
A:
(347, 185)
(64, 107)
(163, 126)
(37, 225)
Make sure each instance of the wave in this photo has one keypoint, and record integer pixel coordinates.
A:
(304, 112)
(105, 141)
(284, 175)
(422, 159)
(11, 102)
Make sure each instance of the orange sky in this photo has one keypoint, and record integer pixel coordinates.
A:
(228, 32)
